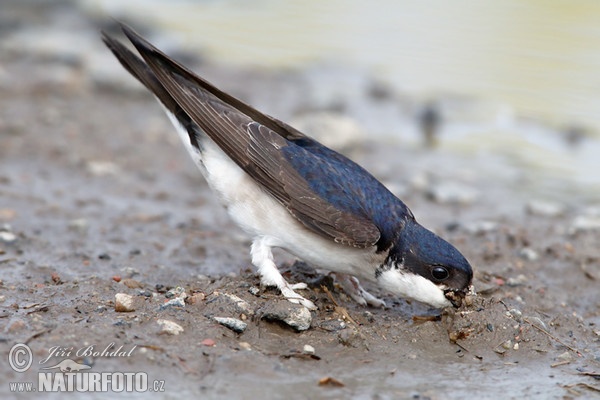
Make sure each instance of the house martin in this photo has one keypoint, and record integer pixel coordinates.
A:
(288, 191)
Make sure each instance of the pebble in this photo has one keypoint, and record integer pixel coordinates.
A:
(294, 315)
(544, 208)
(245, 346)
(132, 283)
(169, 327)
(584, 223)
(254, 290)
(16, 325)
(452, 193)
(195, 298)
(124, 302)
(519, 280)
(234, 324)
(308, 349)
(527, 253)
(6, 213)
(332, 325)
(78, 224)
(7, 237)
(368, 315)
(176, 292)
(176, 302)
(240, 305)
(350, 337)
(129, 271)
(102, 168)
(565, 357)
(539, 322)
(481, 227)
(208, 343)
(517, 315)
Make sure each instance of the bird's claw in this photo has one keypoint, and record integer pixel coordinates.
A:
(353, 288)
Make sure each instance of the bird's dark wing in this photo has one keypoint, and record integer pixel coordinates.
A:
(262, 146)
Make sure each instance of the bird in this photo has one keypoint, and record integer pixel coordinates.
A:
(288, 191)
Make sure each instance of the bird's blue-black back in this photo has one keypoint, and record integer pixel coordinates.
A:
(347, 186)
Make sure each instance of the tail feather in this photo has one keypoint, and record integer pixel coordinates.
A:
(140, 70)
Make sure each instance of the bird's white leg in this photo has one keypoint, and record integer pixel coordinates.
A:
(262, 258)
(352, 287)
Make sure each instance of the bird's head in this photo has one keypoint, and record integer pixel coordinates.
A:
(424, 267)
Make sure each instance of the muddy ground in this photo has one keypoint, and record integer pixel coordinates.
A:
(97, 198)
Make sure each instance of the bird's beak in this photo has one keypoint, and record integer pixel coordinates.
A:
(460, 298)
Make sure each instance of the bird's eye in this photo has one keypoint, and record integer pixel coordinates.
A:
(440, 273)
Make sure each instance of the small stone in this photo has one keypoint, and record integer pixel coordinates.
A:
(515, 314)
(234, 324)
(195, 298)
(507, 345)
(16, 325)
(584, 223)
(481, 227)
(544, 208)
(56, 278)
(7, 214)
(538, 322)
(129, 272)
(452, 193)
(519, 280)
(528, 254)
(169, 327)
(329, 381)
(516, 346)
(565, 357)
(176, 302)
(176, 292)
(124, 302)
(102, 168)
(294, 315)
(132, 283)
(78, 224)
(239, 305)
(245, 346)
(254, 290)
(332, 325)
(350, 337)
(368, 316)
(7, 237)
(208, 343)
(308, 349)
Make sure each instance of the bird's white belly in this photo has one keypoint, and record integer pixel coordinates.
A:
(261, 215)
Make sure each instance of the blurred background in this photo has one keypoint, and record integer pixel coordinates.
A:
(520, 79)
(512, 87)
